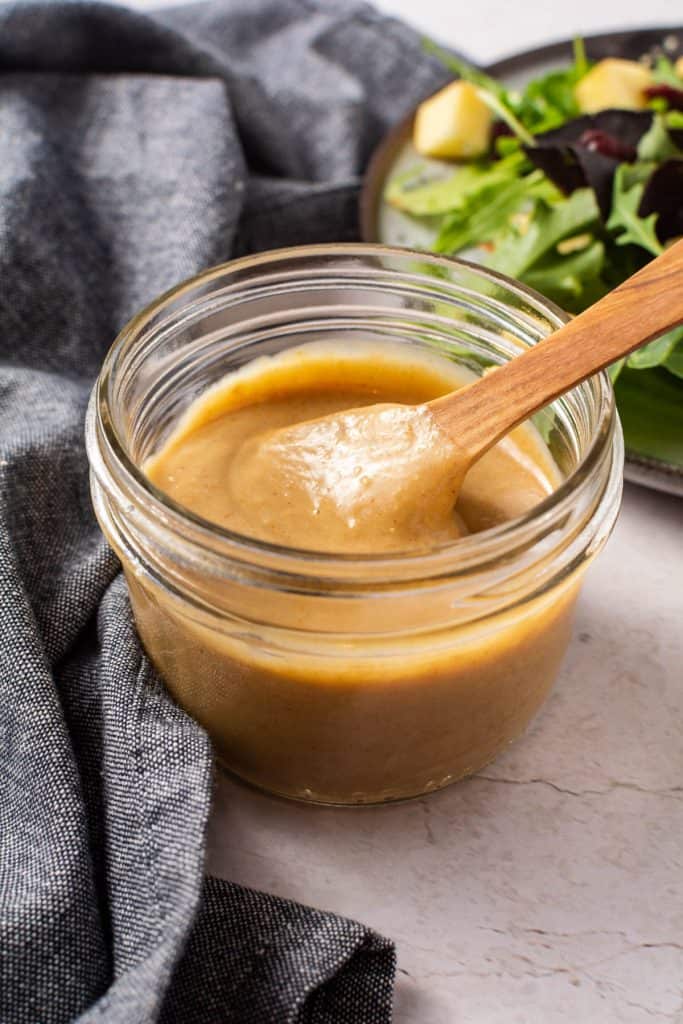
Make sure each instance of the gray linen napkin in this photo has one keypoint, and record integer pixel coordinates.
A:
(135, 150)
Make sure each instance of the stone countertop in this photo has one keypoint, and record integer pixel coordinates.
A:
(549, 888)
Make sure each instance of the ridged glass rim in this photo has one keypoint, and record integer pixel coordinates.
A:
(474, 551)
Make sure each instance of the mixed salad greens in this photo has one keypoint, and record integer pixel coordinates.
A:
(571, 204)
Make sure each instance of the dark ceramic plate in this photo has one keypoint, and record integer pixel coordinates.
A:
(638, 392)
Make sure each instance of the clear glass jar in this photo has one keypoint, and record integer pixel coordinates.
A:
(347, 679)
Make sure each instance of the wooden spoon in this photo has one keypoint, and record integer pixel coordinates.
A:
(386, 477)
(645, 305)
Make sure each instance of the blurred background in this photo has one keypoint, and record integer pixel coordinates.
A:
(486, 30)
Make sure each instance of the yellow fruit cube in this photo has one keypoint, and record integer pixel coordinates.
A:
(613, 83)
(454, 123)
(679, 67)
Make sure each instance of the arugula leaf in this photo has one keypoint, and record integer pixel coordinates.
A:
(636, 174)
(656, 143)
(550, 224)
(674, 119)
(631, 228)
(674, 362)
(506, 145)
(410, 192)
(445, 195)
(664, 72)
(581, 63)
(501, 108)
(615, 369)
(487, 214)
(674, 122)
(565, 279)
(549, 101)
(655, 352)
(461, 69)
(651, 413)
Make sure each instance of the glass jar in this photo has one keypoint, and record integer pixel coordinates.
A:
(332, 678)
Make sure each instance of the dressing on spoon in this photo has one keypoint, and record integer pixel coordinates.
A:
(382, 474)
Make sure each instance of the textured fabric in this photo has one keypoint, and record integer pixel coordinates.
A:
(134, 151)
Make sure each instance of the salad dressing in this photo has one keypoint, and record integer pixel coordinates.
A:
(348, 717)
(288, 451)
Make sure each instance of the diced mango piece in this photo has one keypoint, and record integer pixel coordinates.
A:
(679, 66)
(454, 123)
(613, 83)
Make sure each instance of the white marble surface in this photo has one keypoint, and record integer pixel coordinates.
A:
(549, 889)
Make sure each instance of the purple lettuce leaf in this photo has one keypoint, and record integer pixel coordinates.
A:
(587, 150)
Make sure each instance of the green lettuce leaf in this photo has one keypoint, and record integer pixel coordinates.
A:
(656, 144)
(674, 361)
(566, 279)
(674, 118)
(664, 72)
(615, 369)
(655, 352)
(409, 192)
(462, 69)
(650, 406)
(550, 224)
(630, 227)
(488, 213)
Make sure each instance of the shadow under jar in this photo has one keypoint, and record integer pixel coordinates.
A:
(333, 678)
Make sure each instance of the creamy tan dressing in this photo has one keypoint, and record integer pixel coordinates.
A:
(331, 451)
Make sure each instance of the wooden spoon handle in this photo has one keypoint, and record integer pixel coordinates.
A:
(644, 306)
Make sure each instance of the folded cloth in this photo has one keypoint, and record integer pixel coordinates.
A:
(135, 150)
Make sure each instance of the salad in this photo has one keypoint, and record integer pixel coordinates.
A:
(570, 186)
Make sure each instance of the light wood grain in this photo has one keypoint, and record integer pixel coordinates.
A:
(644, 306)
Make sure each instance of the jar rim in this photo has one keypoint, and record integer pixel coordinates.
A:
(459, 556)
